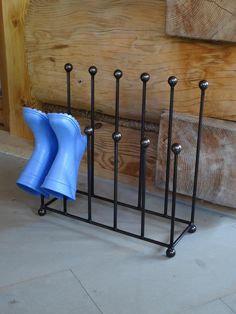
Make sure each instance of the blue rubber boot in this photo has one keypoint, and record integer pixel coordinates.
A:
(43, 155)
(62, 177)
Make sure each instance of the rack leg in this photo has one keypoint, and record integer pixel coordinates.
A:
(170, 252)
(89, 131)
(93, 71)
(203, 86)
(172, 81)
(116, 136)
(144, 145)
(42, 210)
(65, 205)
(145, 77)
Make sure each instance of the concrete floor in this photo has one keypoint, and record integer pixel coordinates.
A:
(56, 265)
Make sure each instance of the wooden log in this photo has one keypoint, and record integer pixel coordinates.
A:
(202, 19)
(130, 35)
(217, 174)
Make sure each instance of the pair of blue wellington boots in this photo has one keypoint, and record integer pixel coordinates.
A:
(54, 163)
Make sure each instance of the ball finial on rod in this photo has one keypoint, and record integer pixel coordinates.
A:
(118, 74)
(68, 67)
(172, 81)
(145, 142)
(203, 85)
(92, 70)
(88, 130)
(176, 148)
(145, 77)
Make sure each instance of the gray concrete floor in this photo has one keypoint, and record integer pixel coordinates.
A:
(56, 265)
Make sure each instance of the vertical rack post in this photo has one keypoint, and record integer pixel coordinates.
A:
(144, 78)
(172, 81)
(203, 85)
(144, 145)
(68, 68)
(116, 136)
(176, 149)
(89, 132)
(93, 71)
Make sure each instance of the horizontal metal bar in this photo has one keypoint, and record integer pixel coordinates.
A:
(51, 201)
(98, 224)
(181, 235)
(148, 211)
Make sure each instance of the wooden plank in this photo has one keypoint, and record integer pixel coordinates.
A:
(217, 175)
(16, 86)
(3, 85)
(202, 19)
(2, 121)
(128, 151)
(126, 34)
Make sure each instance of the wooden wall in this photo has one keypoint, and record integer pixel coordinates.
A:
(42, 35)
(14, 73)
(130, 35)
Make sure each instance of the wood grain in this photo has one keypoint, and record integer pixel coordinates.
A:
(4, 112)
(126, 34)
(128, 151)
(16, 85)
(202, 19)
(217, 175)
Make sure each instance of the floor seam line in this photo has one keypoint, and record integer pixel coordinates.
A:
(77, 278)
(227, 305)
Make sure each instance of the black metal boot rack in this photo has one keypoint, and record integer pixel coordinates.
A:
(144, 143)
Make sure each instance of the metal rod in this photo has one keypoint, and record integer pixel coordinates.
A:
(203, 85)
(92, 71)
(144, 78)
(42, 199)
(144, 145)
(176, 149)
(65, 204)
(68, 68)
(181, 235)
(172, 81)
(89, 131)
(116, 138)
(51, 201)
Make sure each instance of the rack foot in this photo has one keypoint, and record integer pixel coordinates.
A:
(42, 211)
(170, 252)
(192, 229)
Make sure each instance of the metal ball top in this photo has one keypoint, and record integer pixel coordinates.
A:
(118, 74)
(203, 85)
(88, 130)
(145, 142)
(68, 67)
(176, 148)
(92, 70)
(172, 81)
(145, 77)
(116, 136)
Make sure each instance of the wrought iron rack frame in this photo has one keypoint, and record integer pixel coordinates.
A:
(144, 143)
